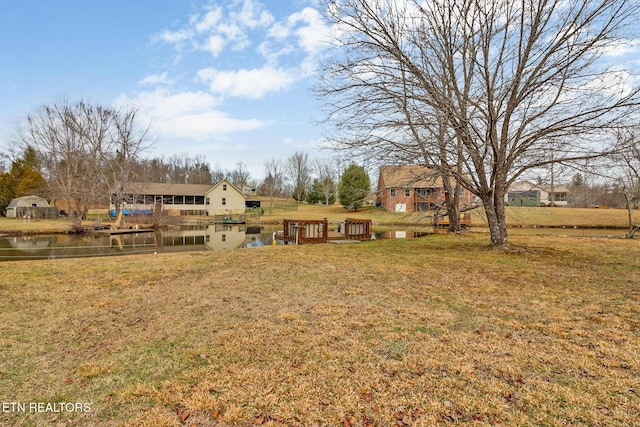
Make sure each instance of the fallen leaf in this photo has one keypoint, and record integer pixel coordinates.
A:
(184, 416)
(417, 413)
(348, 421)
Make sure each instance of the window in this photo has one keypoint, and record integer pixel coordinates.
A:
(224, 201)
(424, 192)
(199, 200)
(207, 201)
(393, 192)
(224, 187)
(407, 192)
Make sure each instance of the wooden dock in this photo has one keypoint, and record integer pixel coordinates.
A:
(300, 232)
(357, 229)
(465, 221)
(108, 232)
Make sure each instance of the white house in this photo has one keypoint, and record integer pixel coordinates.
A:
(526, 193)
(225, 198)
(222, 198)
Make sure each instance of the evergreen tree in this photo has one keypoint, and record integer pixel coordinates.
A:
(24, 179)
(354, 187)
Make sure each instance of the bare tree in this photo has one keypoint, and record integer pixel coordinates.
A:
(217, 174)
(299, 172)
(510, 81)
(128, 142)
(627, 169)
(273, 181)
(87, 151)
(239, 176)
(199, 170)
(327, 173)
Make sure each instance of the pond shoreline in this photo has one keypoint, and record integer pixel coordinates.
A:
(58, 230)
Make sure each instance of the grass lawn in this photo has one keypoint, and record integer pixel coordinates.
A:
(432, 331)
(516, 216)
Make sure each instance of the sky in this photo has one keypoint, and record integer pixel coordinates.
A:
(229, 80)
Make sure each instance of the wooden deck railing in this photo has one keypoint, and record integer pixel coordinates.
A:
(357, 229)
(300, 232)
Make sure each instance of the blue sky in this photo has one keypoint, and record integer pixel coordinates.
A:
(226, 79)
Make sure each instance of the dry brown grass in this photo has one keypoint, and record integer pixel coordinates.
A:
(34, 226)
(516, 216)
(432, 331)
(558, 217)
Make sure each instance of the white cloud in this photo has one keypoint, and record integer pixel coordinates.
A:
(278, 31)
(617, 83)
(244, 83)
(313, 34)
(622, 48)
(303, 32)
(176, 37)
(252, 15)
(307, 144)
(155, 79)
(215, 45)
(209, 21)
(225, 28)
(186, 114)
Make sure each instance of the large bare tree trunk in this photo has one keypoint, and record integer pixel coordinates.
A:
(452, 203)
(494, 209)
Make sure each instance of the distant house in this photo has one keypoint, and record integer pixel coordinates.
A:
(222, 198)
(526, 193)
(410, 188)
(29, 206)
(248, 190)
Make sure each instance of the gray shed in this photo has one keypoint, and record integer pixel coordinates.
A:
(31, 206)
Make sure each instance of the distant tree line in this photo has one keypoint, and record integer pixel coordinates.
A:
(83, 154)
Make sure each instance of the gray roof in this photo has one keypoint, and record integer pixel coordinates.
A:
(162, 189)
(27, 199)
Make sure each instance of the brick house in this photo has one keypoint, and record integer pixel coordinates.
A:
(410, 188)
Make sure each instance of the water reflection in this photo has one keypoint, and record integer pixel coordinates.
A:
(401, 234)
(177, 239)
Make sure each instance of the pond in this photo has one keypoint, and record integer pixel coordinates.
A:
(174, 239)
(199, 238)
(185, 238)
